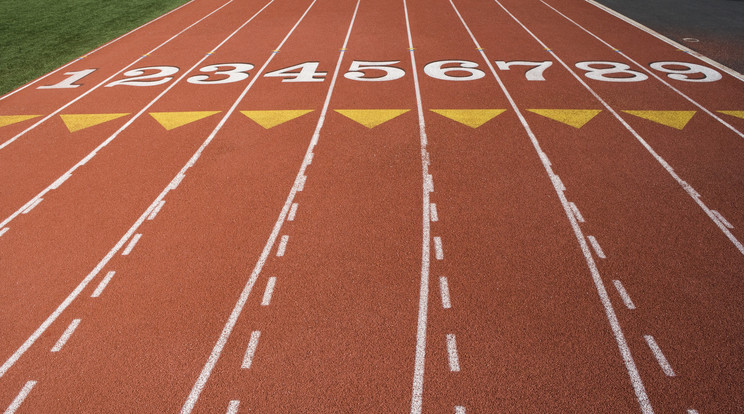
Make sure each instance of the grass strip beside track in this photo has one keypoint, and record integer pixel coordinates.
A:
(38, 36)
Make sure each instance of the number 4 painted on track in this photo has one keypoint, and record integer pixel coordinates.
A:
(534, 74)
(304, 72)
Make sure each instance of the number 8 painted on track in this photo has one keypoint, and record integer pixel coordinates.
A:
(614, 67)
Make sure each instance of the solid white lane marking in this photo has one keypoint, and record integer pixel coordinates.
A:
(310, 159)
(66, 335)
(156, 210)
(459, 409)
(302, 183)
(428, 187)
(659, 78)
(103, 284)
(32, 206)
(89, 53)
(438, 248)
(55, 185)
(250, 352)
(454, 360)
(282, 246)
(433, 213)
(659, 356)
(81, 96)
(18, 400)
(232, 408)
(559, 183)
(131, 244)
(691, 411)
(4, 230)
(292, 212)
(444, 288)
(668, 41)
(268, 292)
(622, 344)
(722, 219)
(685, 186)
(576, 212)
(238, 309)
(597, 247)
(176, 181)
(623, 294)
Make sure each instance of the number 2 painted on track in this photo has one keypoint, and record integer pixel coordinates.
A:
(137, 77)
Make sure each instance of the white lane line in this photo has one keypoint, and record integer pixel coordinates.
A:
(177, 181)
(685, 186)
(439, 253)
(622, 343)
(597, 248)
(722, 219)
(55, 185)
(559, 183)
(576, 212)
(250, 352)
(269, 291)
(238, 309)
(18, 400)
(4, 230)
(660, 79)
(32, 206)
(114, 250)
(428, 187)
(433, 213)
(156, 210)
(624, 294)
(81, 96)
(66, 335)
(232, 408)
(89, 53)
(310, 160)
(292, 212)
(454, 360)
(667, 40)
(99, 289)
(302, 183)
(691, 411)
(282, 246)
(459, 409)
(131, 244)
(444, 289)
(659, 356)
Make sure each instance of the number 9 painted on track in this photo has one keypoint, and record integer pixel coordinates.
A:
(709, 75)
(437, 70)
(600, 74)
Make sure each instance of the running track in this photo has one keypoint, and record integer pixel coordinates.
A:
(468, 206)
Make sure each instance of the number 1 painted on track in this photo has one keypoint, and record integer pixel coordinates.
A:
(70, 81)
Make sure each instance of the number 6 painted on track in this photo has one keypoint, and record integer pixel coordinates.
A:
(357, 68)
(437, 70)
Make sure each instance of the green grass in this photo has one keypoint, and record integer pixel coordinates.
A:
(38, 36)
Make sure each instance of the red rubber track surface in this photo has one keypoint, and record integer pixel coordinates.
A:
(218, 264)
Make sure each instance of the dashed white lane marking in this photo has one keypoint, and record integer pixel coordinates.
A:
(282, 246)
(310, 159)
(81, 96)
(292, 212)
(622, 343)
(559, 183)
(454, 360)
(20, 397)
(597, 248)
(232, 408)
(214, 356)
(4, 230)
(32, 206)
(156, 210)
(55, 185)
(659, 356)
(722, 219)
(250, 352)
(434, 215)
(429, 184)
(131, 244)
(624, 294)
(438, 248)
(576, 212)
(459, 409)
(89, 53)
(66, 335)
(269, 291)
(175, 183)
(103, 284)
(444, 288)
(302, 183)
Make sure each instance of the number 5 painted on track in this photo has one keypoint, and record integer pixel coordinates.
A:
(357, 68)
(534, 74)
